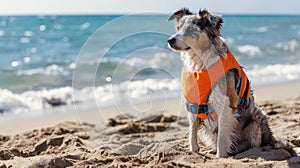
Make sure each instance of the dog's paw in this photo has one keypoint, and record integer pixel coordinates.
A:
(194, 147)
(222, 155)
(213, 151)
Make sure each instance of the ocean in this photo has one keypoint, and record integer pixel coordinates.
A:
(111, 60)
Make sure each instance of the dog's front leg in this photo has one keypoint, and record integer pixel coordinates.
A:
(226, 132)
(193, 130)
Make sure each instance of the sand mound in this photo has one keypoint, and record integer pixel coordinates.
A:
(155, 141)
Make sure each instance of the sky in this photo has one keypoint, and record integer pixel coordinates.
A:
(45, 7)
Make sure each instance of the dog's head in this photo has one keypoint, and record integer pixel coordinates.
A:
(196, 31)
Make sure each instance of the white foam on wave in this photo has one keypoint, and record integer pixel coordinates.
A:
(32, 100)
(229, 40)
(130, 91)
(85, 25)
(249, 50)
(262, 29)
(291, 45)
(49, 70)
(274, 74)
(105, 95)
(159, 59)
(2, 33)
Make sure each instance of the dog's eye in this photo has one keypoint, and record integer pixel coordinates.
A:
(196, 22)
(199, 23)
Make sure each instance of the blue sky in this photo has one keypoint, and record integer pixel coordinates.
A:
(8, 7)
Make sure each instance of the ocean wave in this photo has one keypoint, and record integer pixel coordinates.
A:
(273, 74)
(104, 95)
(249, 50)
(32, 100)
(126, 92)
(291, 45)
(261, 29)
(229, 40)
(158, 59)
(53, 69)
(139, 66)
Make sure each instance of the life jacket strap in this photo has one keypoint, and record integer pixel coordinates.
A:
(196, 109)
(244, 101)
(201, 111)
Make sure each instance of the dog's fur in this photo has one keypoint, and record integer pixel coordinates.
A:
(198, 38)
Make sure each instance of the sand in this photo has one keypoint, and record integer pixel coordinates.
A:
(148, 135)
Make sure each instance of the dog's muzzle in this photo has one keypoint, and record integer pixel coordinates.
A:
(172, 40)
(172, 43)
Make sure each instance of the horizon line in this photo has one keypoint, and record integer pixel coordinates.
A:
(122, 14)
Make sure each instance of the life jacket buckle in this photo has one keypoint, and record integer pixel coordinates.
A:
(197, 109)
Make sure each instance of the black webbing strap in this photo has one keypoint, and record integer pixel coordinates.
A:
(243, 102)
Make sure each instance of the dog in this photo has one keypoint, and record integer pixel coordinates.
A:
(227, 116)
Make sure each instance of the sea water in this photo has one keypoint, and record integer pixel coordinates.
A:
(115, 60)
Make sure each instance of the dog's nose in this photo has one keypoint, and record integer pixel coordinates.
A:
(172, 40)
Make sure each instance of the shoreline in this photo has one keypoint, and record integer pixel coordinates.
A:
(277, 91)
(12, 125)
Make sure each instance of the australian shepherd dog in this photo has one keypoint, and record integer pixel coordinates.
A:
(235, 126)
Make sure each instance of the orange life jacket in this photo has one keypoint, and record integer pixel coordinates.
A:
(197, 85)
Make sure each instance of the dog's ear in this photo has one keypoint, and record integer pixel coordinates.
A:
(216, 21)
(212, 24)
(179, 14)
(205, 15)
(211, 19)
(205, 19)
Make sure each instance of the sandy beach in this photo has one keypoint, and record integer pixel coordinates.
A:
(148, 134)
